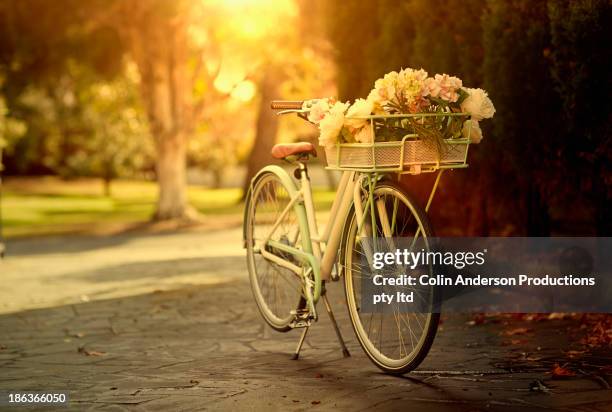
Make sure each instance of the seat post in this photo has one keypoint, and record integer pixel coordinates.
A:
(301, 171)
(306, 190)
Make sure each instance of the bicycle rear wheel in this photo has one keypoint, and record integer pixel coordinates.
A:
(396, 341)
(277, 290)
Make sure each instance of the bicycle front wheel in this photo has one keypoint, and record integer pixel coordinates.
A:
(277, 290)
(396, 341)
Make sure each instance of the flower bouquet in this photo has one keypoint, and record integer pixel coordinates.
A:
(408, 119)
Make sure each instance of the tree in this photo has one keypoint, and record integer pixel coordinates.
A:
(525, 127)
(544, 63)
(581, 61)
(118, 141)
(10, 130)
(290, 61)
(351, 45)
(156, 35)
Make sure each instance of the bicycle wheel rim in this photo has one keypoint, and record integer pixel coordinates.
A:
(396, 342)
(276, 290)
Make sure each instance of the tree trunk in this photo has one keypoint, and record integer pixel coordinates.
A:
(159, 45)
(106, 182)
(170, 168)
(266, 129)
(217, 177)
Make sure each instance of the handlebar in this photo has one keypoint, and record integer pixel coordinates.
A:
(286, 104)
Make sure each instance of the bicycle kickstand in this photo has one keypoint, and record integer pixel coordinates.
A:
(345, 351)
(296, 355)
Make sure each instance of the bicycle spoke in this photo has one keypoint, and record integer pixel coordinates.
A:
(278, 290)
(392, 338)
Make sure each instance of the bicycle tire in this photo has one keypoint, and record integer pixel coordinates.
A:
(268, 187)
(428, 333)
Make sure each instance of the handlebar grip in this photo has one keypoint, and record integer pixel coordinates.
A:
(286, 104)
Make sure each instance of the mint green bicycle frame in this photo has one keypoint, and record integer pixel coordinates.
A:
(312, 257)
(349, 193)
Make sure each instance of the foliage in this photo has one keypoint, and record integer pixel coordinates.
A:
(119, 142)
(447, 38)
(10, 130)
(351, 45)
(546, 66)
(581, 61)
(83, 126)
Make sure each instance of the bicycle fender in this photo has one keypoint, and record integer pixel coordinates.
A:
(287, 181)
(291, 187)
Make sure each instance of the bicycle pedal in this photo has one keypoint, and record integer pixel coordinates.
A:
(297, 324)
(301, 319)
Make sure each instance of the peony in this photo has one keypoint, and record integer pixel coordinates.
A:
(431, 87)
(377, 104)
(442, 86)
(318, 110)
(400, 90)
(331, 124)
(365, 134)
(477, 104)
(386, 87)
(361, 108)
(471, 129)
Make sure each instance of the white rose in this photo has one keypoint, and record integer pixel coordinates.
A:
(365, 134)
(331, 125)
(477, 104)
(339, 107)
(471, 129)
(360, 108)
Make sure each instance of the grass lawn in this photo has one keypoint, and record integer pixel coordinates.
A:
(48, 205)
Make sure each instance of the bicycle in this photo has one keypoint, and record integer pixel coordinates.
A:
(289, 260)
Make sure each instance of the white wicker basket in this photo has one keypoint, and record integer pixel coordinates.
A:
(410, 155)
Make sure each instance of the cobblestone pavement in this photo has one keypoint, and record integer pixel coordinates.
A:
(168, 323)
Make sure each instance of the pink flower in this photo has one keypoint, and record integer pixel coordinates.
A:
(431, 87)
(442, 86)
(318, 110)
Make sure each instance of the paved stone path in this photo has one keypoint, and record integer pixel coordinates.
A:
(167, 322)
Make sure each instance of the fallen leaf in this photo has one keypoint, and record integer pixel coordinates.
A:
(88, 352)
(315, 402)
(517, 331)
(575, 353)
(477, 319)
(318, 376)
(560, 372)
